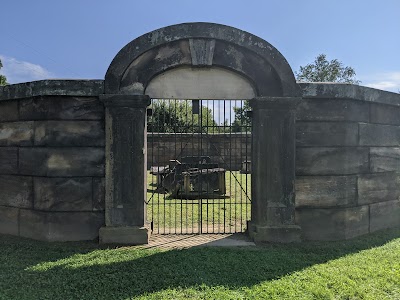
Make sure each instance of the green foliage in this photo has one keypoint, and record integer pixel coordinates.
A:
(3, 79)
(322, 70)
(242, 121)
(177, 116)
(364, 268)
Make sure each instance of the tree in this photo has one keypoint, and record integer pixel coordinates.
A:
(3, 79)
(242, 121)
(177, 116)
(322, 70)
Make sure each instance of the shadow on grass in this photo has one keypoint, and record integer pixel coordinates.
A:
(37, 270)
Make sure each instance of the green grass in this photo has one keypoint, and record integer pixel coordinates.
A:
(219, 215)
(363, 268)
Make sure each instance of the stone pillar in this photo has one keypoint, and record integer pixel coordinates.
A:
(273, 170)
(126, 146)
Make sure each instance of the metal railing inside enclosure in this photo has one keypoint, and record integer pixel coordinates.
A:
(198, 166)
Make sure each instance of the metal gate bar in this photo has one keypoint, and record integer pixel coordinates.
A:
(198, 166)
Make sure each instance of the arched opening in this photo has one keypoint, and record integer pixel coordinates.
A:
(200, 61)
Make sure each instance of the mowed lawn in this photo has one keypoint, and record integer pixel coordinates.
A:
(225, 214)
(364, 268)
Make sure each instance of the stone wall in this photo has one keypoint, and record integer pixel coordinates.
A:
(52, 160)
(348, 161)
(228, 150)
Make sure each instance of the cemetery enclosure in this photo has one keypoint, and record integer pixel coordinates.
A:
(71, 150)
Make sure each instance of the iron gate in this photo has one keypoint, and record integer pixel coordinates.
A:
(199, 166)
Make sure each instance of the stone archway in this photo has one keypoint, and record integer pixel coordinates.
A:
(247, 68)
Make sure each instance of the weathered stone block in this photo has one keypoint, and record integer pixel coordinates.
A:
(330, 224)
(8, 111)
(326, 134)
(378, 187)
(61, 108)
(63, 194)
(98, 193)
(379, 135)
(60, 162)
(384, 159)
(385, 114)
(124, 235)
(16, 191)
(275, 234)
(9, 220)
(69, 133)
(8, 160)
(332, 161)
(60, 226)
(16, 134)
(333, 110)
(384, 215)
(326, 191)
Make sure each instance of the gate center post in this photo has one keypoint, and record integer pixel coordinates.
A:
(273, 170)
(126, 172)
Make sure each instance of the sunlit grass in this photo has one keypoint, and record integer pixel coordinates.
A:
(363, 268)
(218, 215)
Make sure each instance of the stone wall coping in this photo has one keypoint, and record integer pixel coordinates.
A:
(95, 87)
(323, 90)
(53, 87)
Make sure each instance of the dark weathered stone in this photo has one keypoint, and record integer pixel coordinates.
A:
(9, 220)
(384, 215)
(331, 161)
(8, 110)
(273, 174)
(16, 134)
(60, 226)
(276, 234)
(330, 224)
(326, 134)
(63, 194)
(8, 160)
(379, 135)
(124, 235)
(326, 191)
(16, 191)
(273, 150)
(202, 51)
(99, 185)
(348, 91)
(62, 162)
(378, 187)
(69, 133)
(333, 110)
(126, 148)
(61, 108)
(384, 159)
(71, 87)
(277, 66)
(385, 114)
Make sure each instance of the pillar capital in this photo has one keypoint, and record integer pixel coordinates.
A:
(121, 100)
(275, 103)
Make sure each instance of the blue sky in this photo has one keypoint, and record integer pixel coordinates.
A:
(79, 38)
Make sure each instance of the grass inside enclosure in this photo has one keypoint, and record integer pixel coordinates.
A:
(225, 214)
(363, 268)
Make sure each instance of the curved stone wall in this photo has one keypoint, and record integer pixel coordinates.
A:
(348, 161)
(52, 160)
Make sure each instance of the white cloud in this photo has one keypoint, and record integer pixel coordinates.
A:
(22, 71)
(386, 81)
